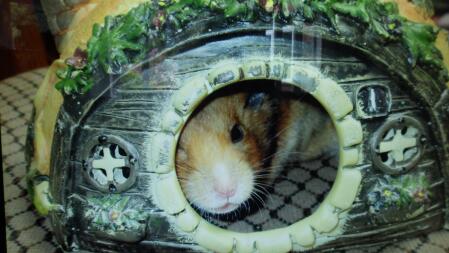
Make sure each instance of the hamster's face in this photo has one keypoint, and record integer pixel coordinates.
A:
(221, 151)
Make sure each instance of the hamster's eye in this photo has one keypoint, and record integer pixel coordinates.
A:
(236, 133)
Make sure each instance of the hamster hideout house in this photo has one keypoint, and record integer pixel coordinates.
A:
(110, 112)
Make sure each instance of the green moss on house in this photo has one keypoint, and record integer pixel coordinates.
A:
(126, 39)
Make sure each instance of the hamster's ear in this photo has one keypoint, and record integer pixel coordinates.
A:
(255, 100)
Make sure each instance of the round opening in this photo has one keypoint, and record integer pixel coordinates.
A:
(189, 102)
(257, 155)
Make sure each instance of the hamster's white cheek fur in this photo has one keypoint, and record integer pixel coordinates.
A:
(204, 185)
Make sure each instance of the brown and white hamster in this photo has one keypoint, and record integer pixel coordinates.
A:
(237, 142)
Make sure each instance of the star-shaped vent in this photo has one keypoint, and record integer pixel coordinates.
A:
(110, 166)
(398, 144)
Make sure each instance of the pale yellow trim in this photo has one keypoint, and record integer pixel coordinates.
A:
(188, 219)
(256, 69)
(41, 198)
(172, 122)
(442, 43)
(47, 103)
(80, 29)
(325, 219)
(302, 234)
(189, 96)
(349, 156)
(412, 12)
(333, 98)
(163, 151)
(168, 194)
(349, 131)
(82, 13)
(213, 237)
(223, 75)
(343, 193)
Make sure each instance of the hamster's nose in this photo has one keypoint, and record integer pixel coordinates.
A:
(224, 182)
(225, 191)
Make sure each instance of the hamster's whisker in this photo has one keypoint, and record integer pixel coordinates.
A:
(246, 205)
(258, 197)
(260, 188)
(269, 198)
(263, 171)
(258, 184)
(256, 201)
(262, 178)
(272, 155)
(280, 132)
(267, 168)
(268, 172)
(183, 165)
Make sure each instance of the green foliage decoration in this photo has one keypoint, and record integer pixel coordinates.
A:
(114, 213)
(410, 192)
(127, 39)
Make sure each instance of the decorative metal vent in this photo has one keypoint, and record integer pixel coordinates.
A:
(398, 144)
(111, 165)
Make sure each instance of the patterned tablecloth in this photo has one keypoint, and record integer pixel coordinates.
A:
(28, 232)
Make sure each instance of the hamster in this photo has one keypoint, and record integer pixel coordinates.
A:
(233, 147)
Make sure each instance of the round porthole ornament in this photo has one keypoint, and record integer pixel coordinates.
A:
(110, 164)
(132, 74)
(398, 145)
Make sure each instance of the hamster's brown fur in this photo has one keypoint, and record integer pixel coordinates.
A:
(218, 173)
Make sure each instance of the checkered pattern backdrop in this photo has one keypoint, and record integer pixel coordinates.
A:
(25, 230)
(28, 232)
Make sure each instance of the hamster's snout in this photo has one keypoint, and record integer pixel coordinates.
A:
(224, 184)
(229, 190)
(216, 182)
